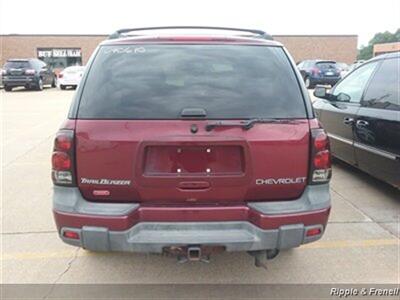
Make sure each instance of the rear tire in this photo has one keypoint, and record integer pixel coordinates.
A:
(7, 88)
(308, 83)
(53, 83)
(63, 87)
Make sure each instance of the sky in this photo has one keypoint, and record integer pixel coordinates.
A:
(363, 18)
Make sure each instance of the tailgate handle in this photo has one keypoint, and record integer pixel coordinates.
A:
(194, 185)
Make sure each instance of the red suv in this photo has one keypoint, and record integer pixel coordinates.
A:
(191, 144)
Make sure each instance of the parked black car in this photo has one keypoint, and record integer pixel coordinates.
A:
(31, 73)
(362, 117)
(319, 72)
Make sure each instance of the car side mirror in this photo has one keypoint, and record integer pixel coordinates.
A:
(321, 92)
(343, 97)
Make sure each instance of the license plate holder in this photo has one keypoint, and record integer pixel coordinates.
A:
(194, 160)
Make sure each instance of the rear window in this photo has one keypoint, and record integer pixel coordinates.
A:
(342, 66)
(16, 65)
(327, 65)
(159, 81)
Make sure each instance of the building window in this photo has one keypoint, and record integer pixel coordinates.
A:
(60, 58)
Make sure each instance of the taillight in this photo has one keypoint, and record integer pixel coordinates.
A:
(322, 160)
(63, 142)
(61, 75)
(71, 235)
(320, 163)
(62, 160)
(313, 231)
(315, 71)
(30, 72)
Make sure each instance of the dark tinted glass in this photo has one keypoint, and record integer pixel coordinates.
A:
(41, 64)
(383, 91)
(159, 81)
(326, 65)
(16, 65)
(353, 85)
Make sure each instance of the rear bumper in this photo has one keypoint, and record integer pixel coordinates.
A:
(15, 82)
(62, 81)
(324, 80)
(153, 237)
(131, 227)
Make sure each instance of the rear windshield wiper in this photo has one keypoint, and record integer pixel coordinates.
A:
(246, 125)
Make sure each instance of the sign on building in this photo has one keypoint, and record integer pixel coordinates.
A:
(59, 52)
(60, 58)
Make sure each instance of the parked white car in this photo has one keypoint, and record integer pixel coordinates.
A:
(344, 68)
(355, 65)
(70, 77)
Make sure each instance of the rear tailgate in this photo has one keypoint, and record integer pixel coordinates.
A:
(163, 162)
(15, 69)
(140, 103)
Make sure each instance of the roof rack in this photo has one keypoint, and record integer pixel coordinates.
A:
(120, 33)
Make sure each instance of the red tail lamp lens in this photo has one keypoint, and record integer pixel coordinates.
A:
(63, 143)
(321, 142)
(71, 235)
(322, 160)
(320, 163)
(63, 172)
(315, 71)
(61, 161)
(313, 231)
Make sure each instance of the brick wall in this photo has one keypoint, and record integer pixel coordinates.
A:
(341, 48)
(336, 47)
(386, 48)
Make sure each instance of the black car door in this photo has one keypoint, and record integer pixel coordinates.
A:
(377, 126)
(338, 116)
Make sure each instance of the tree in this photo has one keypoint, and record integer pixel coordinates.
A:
(366, 52)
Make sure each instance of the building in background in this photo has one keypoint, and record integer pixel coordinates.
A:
(340, 48)
(386, 48)
(61, 51)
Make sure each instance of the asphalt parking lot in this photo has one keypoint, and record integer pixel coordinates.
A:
(361, 244)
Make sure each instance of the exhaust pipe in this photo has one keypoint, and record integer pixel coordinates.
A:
(261, 256)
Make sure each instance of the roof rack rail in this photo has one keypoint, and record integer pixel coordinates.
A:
(261, 34)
